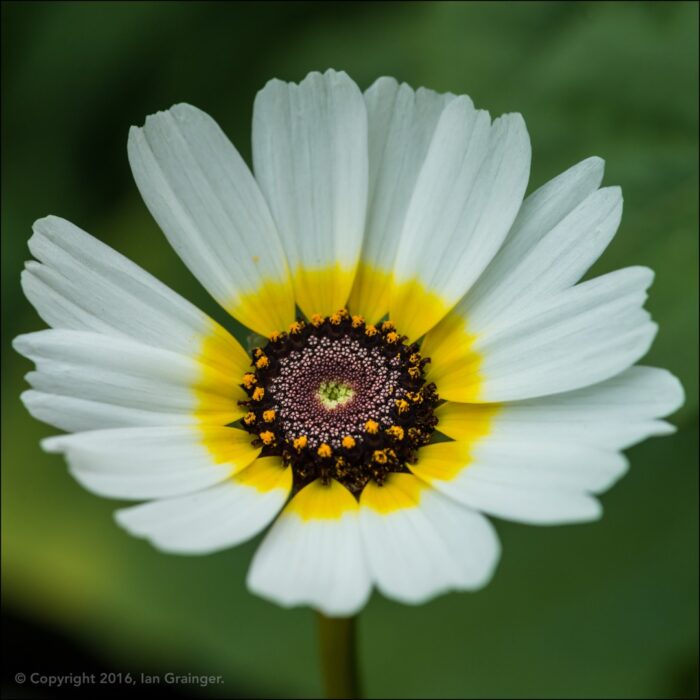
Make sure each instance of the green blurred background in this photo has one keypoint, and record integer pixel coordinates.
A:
(601, 610)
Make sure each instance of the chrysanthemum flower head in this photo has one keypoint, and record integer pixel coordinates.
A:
(428, 353)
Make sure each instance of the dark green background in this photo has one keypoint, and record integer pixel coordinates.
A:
(606, 609)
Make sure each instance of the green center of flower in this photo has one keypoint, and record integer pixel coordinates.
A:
(333, 393)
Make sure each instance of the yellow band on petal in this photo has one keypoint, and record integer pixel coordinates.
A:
(442, 461)
(319, 501)
(398, 492)
(228, 446)
(322, 290)
(220, 350)
(413, 307)
(266, 474)
(466, 422)
(370, 292)
(416, 309)
(267, 309)
(454, 364)
(222, 362)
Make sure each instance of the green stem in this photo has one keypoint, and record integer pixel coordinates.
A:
(338, 647)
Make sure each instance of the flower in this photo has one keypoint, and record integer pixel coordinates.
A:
(432, 302)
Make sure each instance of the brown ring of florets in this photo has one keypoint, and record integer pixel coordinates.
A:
(385, 443)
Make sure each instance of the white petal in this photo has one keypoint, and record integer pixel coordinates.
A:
(154, 462)
(420, 544)
(401, 124)
(73, 415)
(313, 554)
(556, 262)
(548, 209)
(84, 284)
(541, 487)
(615, 414)
(219, 517)
(531, 505)
(467, 195)
(204, 197)
(310, 158)
(536, 461)
(121, 372)
(580, 337)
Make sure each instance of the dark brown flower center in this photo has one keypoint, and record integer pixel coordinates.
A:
(338, 398)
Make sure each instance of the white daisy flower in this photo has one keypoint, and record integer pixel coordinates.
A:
(402, 289)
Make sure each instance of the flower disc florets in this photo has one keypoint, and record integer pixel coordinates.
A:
(339, 398)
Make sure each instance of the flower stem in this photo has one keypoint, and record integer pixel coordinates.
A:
(338, 649)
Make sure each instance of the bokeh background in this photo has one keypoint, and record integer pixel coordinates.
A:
(601, 610)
